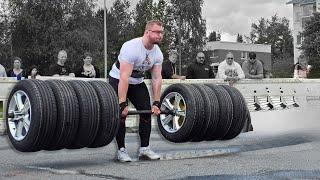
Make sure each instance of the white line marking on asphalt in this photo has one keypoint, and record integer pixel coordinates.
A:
(52, 170)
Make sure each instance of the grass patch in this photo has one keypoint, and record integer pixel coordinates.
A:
(283, 73)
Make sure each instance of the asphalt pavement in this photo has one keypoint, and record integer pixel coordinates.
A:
(254, 155)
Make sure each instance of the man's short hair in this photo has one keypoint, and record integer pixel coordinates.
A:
(229, 53)
(153, 22)
(62, 51)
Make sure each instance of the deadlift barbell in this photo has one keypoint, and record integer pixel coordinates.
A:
(76, 114)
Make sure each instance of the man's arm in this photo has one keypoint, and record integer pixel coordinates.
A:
(190, 72)
(221, 74)
(240, 72)
(156, 82)
(211, 72)
(125, 73)
(245, 69)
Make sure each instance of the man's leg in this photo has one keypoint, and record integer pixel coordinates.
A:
(140, 98)
(122, 154)
(122, 128)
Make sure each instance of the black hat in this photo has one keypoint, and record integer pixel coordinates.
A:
(252, 55)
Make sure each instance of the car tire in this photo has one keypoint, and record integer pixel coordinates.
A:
(109, 113)
(89, 114)
(31, 127)
(67, 114)
(178, 128)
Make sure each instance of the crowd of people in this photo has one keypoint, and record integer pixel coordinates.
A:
(229, 70)
(60, 68)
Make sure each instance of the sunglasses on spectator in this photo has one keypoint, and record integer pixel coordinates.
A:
(230, 58)
(201, 57)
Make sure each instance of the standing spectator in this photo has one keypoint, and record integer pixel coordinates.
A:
(198, 69)
(252, 67)
(88, 70)
(60, 68)
(3, 72)
(229, 70)
(33, 73)
(169, 69)
(299, 71)
(16, 72)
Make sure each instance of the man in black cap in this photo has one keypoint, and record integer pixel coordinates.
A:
(252, 67)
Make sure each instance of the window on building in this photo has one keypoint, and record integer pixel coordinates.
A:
(307, 9)
(244, 55)
(298, 17)
(299, 39)
(304, 20)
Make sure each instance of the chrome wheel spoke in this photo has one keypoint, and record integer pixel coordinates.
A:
(26, 106)
(167, 119)
(15, 119)
(181, 113)
(19, 128)
(18, 101)
(26, 123)
(168, 104)
(176, 125)
(177, 99)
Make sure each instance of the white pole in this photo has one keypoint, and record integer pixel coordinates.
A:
(105, 41)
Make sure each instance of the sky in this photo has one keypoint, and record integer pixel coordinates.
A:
(230, 17)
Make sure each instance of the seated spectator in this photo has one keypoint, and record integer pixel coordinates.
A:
(33, 73)
(87, 70)
(229, 70)
(299, 71)
(16, 72)
(252, 67)
(168, 68)
(60, 68)
(198, 69)
(3, 72)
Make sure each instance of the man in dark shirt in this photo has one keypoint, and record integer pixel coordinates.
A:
(252, 67)
(200, 70)
(168, 68)
(60, 68)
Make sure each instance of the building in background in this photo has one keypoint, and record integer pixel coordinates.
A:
(216, 52)
(302, 11)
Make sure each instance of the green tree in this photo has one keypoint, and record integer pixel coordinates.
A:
(212, 36)
(5, 36)
(239, 38)
(41, 28)
(311, 44)
(119, 26)
(188, 28)
(275, 32)
(143, 12)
